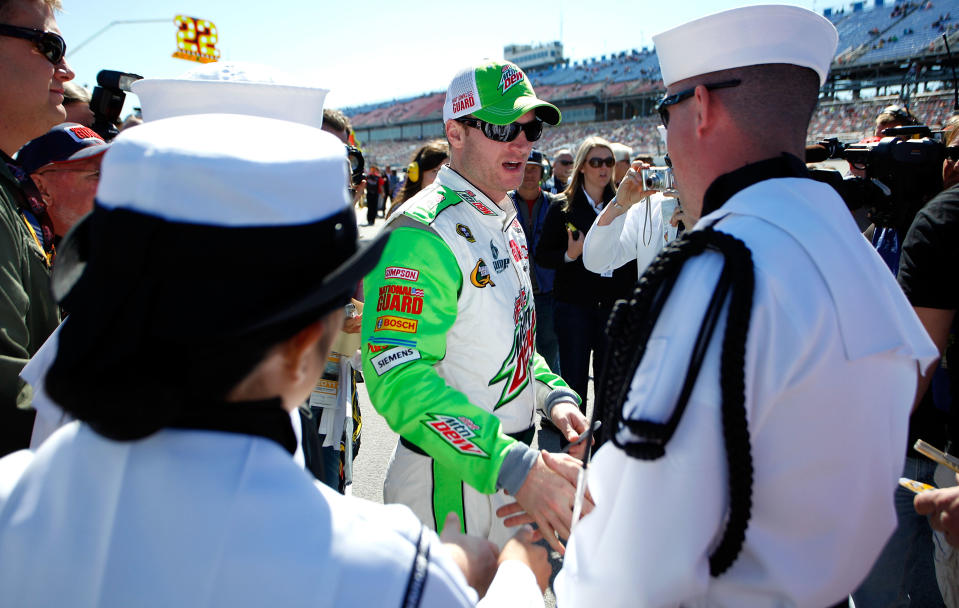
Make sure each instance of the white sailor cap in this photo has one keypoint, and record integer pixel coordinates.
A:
(750, 35)
(221, 207)
(232, 88)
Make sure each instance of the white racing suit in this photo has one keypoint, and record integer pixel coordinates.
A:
(449, 356)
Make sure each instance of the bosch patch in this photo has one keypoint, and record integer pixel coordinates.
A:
(396, 324)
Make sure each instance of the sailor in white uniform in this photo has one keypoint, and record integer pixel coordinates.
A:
(204, 292)
(757, 428)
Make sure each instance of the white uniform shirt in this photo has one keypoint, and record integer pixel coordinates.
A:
(830, 379)
(637, 235)
(199, 518)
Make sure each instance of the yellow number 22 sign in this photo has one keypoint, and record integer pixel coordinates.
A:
(196, 39)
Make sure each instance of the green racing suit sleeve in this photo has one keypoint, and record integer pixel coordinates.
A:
(550, 388)
(410, 305)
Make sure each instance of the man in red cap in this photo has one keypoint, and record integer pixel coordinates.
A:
(64, 163)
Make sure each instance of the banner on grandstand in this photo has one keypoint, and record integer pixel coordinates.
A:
(196, 39)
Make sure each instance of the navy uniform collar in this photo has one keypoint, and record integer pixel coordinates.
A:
(727, 185)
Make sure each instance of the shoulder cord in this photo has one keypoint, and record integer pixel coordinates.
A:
(629, 329)
(417, 580)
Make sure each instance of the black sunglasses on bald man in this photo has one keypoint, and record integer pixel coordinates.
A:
(670, 100)
(51, 45)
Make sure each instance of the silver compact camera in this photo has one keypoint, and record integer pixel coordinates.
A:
(658, 178)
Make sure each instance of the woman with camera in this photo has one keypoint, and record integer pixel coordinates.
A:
(584, 299)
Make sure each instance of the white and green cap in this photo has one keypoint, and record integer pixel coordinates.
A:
(497, 92)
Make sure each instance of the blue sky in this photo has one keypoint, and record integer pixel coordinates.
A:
(370, 50)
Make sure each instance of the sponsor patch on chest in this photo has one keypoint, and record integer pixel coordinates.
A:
(464, 231)
(480, 276)
(499, 263)
(470, 197)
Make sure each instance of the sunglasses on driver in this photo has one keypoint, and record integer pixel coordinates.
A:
(51, 45)
(506, 133)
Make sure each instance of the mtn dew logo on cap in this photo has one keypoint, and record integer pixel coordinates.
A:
(511, 75)
(497, 92)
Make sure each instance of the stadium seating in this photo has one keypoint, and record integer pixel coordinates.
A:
(879, 35)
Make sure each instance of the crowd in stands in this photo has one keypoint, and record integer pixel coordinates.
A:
(847, 120)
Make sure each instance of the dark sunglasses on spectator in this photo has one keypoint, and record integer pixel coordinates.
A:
(506, 133)
(565, 162)
(596, 163)
(52, 46)
(670, 100)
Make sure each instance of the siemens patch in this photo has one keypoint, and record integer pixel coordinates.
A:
(384, 362)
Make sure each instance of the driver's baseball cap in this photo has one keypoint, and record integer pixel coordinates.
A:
(497, 92)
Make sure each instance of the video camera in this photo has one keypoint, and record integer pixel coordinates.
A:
(107, 101)
(357, 166)
(901, 175)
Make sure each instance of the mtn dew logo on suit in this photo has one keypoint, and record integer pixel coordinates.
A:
(516, 367)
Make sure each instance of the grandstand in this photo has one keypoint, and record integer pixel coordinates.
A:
(888, 52)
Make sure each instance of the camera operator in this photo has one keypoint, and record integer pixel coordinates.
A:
(930, 257)
(888, 239)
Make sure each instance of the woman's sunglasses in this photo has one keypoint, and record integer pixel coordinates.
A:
(506, 133)
(596, 163)
(52, 46)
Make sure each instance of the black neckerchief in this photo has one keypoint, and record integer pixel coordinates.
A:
(727, 185)
(260, 418)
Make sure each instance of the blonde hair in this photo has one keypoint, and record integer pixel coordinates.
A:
(576, 179)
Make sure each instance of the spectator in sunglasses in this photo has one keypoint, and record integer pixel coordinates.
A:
(584, 299)
(562, 168)
(33, 73)
(449, 356)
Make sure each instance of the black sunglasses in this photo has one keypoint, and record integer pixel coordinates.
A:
(506, 133)
(565, 162)
(52, 46)
(596, 163)
(670, 100)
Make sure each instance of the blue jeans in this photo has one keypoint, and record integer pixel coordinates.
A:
(580, 330)
(904, 573)
(546, 342)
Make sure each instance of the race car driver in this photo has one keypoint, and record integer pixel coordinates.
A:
(449, 354)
